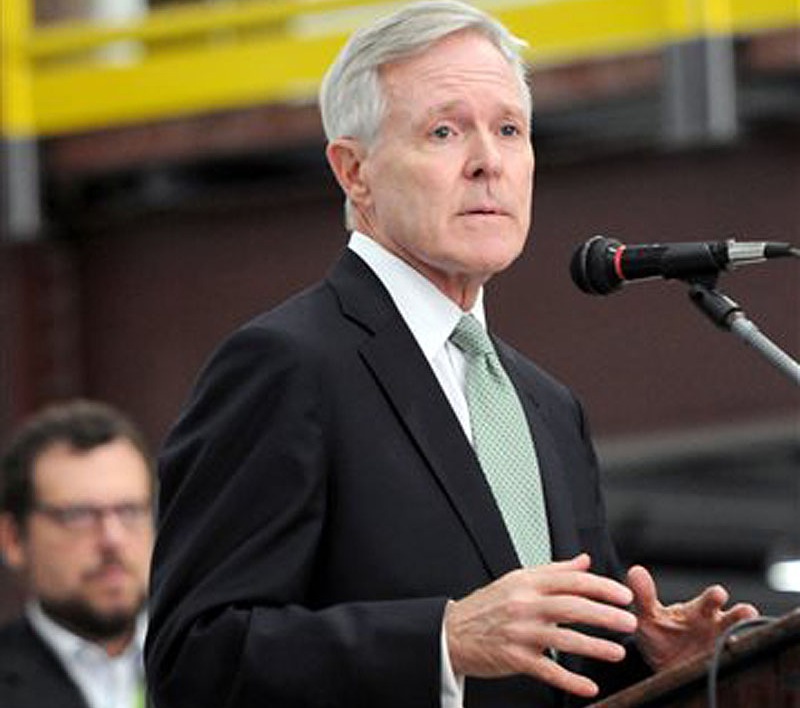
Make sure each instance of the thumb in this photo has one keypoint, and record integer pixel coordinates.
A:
(645, 595)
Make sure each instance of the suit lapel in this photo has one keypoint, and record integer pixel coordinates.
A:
(411, 387)
(560, 514)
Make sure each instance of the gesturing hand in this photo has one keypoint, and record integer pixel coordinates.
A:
(506, 627)
(671, 634)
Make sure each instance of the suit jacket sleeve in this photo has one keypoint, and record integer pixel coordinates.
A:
(243, 507)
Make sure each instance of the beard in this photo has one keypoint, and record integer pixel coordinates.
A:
(80, 618)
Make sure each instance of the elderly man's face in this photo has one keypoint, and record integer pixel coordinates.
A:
(450, 178)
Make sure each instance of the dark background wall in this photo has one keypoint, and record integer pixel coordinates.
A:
(157, 289)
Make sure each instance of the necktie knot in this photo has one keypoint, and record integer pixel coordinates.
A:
(471, 338)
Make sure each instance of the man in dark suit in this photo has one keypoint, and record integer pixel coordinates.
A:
(76, 526)
(329, 532)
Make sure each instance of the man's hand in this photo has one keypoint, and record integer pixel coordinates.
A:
(672, 634)
(508, 626)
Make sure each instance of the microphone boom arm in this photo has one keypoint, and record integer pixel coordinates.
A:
(727, 315)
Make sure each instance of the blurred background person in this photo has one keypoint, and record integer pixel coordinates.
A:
(76, 528)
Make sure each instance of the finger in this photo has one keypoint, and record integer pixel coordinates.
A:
(738, 613)
(571, 641)
(552, 673)
(710, 601)
(564, 609)
(645, 595)
(583, 584)
(582, 561)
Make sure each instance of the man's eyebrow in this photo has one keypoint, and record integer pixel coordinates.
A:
(445, 108)
(456, 105)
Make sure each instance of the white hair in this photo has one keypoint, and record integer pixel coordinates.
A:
(351, 99)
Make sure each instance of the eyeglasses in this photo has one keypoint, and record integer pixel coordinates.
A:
(85, 517)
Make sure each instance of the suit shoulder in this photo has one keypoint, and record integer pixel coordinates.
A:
(534, 375)
(14, 636)
(30, 674)
(279, 360)
(22, 652)
(309, 317)
(315, 300)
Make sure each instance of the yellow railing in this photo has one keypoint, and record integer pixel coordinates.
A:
(227, 54)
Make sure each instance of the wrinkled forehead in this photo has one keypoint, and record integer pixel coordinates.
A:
(464, 70)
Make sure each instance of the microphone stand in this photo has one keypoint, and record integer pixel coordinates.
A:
(727, 315)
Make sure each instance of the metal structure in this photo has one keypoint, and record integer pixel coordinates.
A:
(210, 56)
(207, 57)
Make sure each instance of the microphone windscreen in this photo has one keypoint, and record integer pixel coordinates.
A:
(592, 266)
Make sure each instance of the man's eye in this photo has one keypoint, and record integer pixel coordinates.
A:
(509, 129)
(77, 515)
(442, 131)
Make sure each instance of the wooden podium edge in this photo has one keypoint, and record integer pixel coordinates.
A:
(748, 645)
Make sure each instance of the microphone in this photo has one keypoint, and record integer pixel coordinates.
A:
(602, 265)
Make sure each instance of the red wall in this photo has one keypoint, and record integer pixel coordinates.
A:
(158, 290)
(129, 309)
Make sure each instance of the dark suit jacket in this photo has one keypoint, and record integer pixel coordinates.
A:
(31, 676)
(320, 503)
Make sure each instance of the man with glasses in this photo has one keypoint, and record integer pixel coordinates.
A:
(76, 527)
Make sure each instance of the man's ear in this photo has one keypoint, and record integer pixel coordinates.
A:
(346, 158)
(12, 547)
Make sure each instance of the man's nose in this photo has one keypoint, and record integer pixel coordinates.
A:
(484, 158)
(110, 528)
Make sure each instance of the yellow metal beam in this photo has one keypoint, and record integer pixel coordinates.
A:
(17, 111)
(182, 24)
(565, 30)
(182, 82)
(754, 16)
(224, 55)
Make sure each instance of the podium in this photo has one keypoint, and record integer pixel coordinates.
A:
(759, 668)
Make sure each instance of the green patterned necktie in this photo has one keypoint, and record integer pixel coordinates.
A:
(503, 443)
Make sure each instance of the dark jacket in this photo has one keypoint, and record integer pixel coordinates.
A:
(31, 675)
(320, 503)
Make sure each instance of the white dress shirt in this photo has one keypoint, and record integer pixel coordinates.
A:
(431, 316)
(105, 681)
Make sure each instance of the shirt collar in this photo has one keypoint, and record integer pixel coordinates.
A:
(70, 646)
(429, 313)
